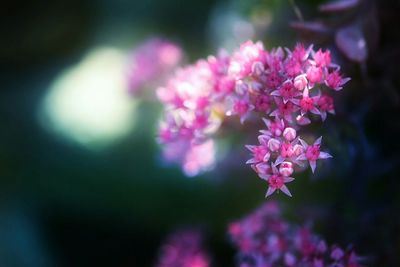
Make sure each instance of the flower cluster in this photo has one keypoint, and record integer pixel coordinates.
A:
(279, 152)
(152, 59)
(285, 88)
(193, 101)
(183, 249)
(264, 239)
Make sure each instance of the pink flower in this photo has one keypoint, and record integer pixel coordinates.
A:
(264, 239)
(183, 248)
(335, 81)
(322, 59)
(276, 181)
(151, 60)
(262, 103)
(314, 74)
(312, 153)
(260, 154)
(325, 104)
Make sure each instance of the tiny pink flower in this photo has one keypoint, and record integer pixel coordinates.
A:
(314, 74)
(335, 81)
(322, 59)
(325, 103)
(306, 104)
(260, 153)
(276, 181)
(293, 67)
(286, 150)
(287, 91)
(262, 103)
(275, 127)
(312, 153)
(289, 134)
(300, 53)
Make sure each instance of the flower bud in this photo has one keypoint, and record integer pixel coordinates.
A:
(286, 168)
(298, 150)
(289, 134)
(300, 82)
(273, 144)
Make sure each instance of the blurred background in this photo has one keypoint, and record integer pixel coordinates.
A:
(82, 182)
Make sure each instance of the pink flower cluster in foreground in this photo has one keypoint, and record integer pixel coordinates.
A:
(194, 109)
(183, 249)
(264, 239)
(286, 88)
(151, 60)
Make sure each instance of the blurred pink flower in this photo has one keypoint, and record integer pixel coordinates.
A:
(264, 238)
(151, 61)
(183, 249)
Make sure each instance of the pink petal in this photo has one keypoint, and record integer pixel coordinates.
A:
(288, 179)
(318, 141)
(301, 157)
(313, 165)
(275, 93)
(250, 147)
(285, 190)
(323, 115)
(279, 160)
(270, 191)
(315, 111)
(303, 143)
(324, 155)
(251, 161)
(264, 176)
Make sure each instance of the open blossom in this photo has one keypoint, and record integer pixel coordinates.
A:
(264, 238)
(312, 153)
(183, 249)
(151, 60)
(285, 88)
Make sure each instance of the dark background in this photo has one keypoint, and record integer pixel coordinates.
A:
(62, 204)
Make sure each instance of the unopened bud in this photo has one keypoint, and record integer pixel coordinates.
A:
(298, 150)
(289, 134)
(300, 82)
(286, 168)
(273, 144)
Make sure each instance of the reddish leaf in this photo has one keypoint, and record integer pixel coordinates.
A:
(310, 27)
(338, 6)
(351, 42)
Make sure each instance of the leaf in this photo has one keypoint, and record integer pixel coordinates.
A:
(352, 43)
(310, 27)
(339, 6)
